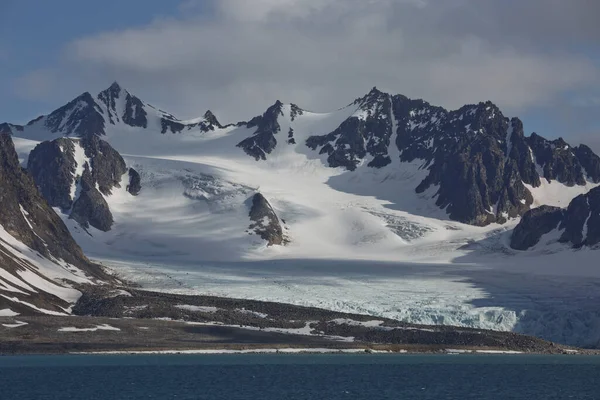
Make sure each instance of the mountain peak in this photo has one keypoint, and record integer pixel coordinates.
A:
(211, 118)
(375, 91)
(113, 91)
(115, 86)
(374, 95)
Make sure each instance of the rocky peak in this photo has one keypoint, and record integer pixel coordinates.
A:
(557, 160)
(367, 133)
(211, 119)
(122, 106)
(80, 117)
(374, 96)
(109, 97)
(483, 118)
(263, 141)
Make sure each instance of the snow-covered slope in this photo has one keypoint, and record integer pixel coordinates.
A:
(343, 185)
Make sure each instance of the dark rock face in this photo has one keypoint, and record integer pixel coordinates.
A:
(295, 112)
(579, 223)
(210, 122)
(170, 125)
(263, 141)
(358, 137)
(590, 162)
(52, 165)
(582, 220)
(265, 222)
(473, 157)
(557, 160)
(478, 160)
(534, 224)
(107, 164)
(134, 113)
(91, 208)
(18, 188)
(135, 182)
(28, 218)
(81, 117)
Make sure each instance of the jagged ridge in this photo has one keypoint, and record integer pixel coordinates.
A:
(478, 161)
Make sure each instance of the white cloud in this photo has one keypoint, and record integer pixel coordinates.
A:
(322, 54)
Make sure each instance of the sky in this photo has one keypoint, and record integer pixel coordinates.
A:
(536, 59)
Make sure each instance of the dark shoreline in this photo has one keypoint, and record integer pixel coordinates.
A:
(129, 320)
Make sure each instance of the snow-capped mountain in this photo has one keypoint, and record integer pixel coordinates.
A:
(385, 178)
(41, 264)
(479, 164)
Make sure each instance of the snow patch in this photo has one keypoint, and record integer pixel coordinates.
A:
(197, 308)
(103, 327)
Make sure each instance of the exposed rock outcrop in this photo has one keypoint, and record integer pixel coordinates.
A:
(135, 182)
(52, 165)
(478, 160)
(577, 225)
(90, 208)
(265, 222)
(76, 174)
(80, 117)
(534, 224)
(263, 141)
(106, 164)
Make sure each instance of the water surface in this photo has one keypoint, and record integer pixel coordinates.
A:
(275, 377)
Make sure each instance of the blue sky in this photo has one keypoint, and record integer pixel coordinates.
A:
(237, 57)
(34, 32)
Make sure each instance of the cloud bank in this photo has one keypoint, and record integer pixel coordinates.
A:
(238, 56)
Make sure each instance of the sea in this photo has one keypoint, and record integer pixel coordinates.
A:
(298, 376)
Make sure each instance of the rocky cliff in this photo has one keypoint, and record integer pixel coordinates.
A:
(38, 256)
(76, 174)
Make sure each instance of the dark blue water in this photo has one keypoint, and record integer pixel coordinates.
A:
(280, 377)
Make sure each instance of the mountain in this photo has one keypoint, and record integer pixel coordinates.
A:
(40, 263)
(477, 164)
(88, 115)
(312, 208)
